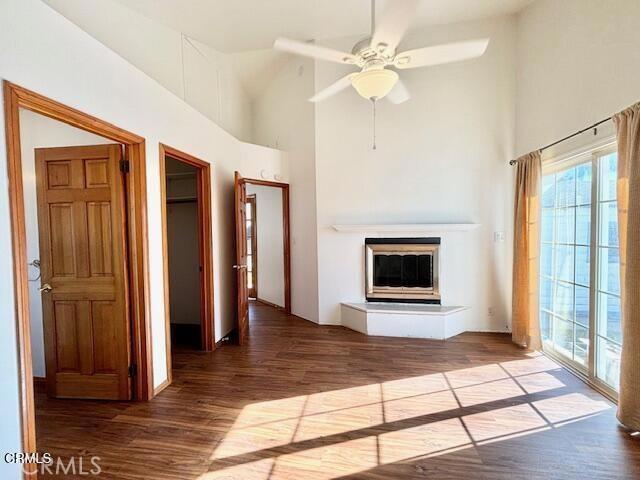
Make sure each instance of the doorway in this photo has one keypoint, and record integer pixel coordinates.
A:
(186, 216)
(90, 263)
(263, 263)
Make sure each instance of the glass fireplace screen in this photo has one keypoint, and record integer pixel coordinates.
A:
(402, 269)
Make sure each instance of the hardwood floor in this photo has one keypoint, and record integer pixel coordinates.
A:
(302, 401)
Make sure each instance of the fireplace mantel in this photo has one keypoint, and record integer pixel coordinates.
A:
(406, 227)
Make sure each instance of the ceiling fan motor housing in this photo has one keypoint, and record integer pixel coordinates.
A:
(365, 52)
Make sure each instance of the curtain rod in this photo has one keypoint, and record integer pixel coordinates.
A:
(590, 127)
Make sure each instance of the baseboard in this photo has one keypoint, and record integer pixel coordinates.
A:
(269, 304)
(333, 324)
(489, 331)
(40, 380)
(308, 319)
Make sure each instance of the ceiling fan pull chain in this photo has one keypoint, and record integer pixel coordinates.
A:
(373, 100)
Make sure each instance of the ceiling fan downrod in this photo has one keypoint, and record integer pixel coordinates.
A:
(373, 17)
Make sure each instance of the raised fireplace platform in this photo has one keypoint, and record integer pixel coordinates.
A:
(404, 319)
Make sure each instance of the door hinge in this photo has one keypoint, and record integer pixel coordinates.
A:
(124, 166)
(133, 370)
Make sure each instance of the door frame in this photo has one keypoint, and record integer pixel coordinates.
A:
(203, 180)
(16, 97)
(286, 229)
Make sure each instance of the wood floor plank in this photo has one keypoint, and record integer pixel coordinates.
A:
(302, 401)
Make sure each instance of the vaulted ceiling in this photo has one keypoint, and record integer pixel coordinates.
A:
(239, 25)
(246, 29)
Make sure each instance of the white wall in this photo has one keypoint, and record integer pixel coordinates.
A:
(77, 70)
(200, 75)
(283, 119)
(578, 62)
(39, 131)
(264, 163)
(441, 158)
(270, 243)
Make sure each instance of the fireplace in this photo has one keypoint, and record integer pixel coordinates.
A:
(402, 270)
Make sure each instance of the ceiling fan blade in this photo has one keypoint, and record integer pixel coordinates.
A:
(314, 51)
(399, 93)
(393, 24)
(332, 89)
(439, 54)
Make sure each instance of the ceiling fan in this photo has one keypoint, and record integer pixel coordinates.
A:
(375, 53)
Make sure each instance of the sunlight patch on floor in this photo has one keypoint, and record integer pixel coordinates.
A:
(409, 387)
(410, 407)
(271, 411)
(539, 382)
(339, 421)
(488, 392)
(341, 399)
(566, 407)
(502, 421)
(364, 410)
(467, 377)
(422, 440)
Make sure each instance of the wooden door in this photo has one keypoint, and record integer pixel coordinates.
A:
(240, 190)
(82, 229)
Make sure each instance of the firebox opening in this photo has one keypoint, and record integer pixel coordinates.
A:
(402, 270)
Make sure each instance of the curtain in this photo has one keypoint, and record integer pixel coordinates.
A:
(627, 125)
(525, 325)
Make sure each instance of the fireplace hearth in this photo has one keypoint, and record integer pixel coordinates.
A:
(402, 270)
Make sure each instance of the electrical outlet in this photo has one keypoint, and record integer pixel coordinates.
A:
(498, 237)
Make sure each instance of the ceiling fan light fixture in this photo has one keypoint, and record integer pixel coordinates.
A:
(374, 84)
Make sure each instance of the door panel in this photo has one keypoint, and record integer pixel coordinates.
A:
(100, 235)
(102, 321)
(81, 224)
(67, 343)
(240, 190)
(62, 250)
(97, 173)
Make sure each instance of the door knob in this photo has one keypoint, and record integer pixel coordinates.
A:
(46, 288)
(238, 267)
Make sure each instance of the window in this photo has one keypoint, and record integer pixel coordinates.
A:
(579, 266)
(252, 254)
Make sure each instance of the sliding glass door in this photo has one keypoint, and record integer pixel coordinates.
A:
(579, 266)
(565, 260)
(608, 328)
